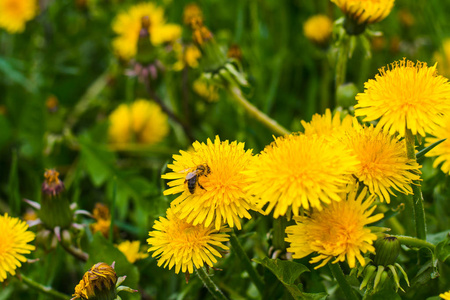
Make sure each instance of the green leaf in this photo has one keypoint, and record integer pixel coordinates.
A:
(101, 250)
(421, 153)
(287, 273)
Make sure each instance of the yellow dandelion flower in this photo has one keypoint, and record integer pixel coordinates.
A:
(338, 231)
(442, 151)
(142, 122)
(299, 171)
(128, 25)
(206, 90)
(405, 96)
(131, 250)
(328, 125)
(211, 183)
(445, 296)
(103, 217)
(192, 12)
(383, 162)
(318, 29)
(178, 243)
(14, 239)
(365, 11)
(187, 56)
(15, 13)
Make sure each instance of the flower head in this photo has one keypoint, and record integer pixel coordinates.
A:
(318, 29)
(101, 279)
(191, 12)
(383, 162)
(211, 183)
(178, 243)
(188, 55)
(299, 171)
(52, 185)
(365, 11)
(405, 96)
(15, 13)
(328, 125)
(206, 89)
(103, 217)
(142, 122)
(338, 231)
(442, 151)
(128, 25)
(443, 59)
(14, 239)
(131, 250)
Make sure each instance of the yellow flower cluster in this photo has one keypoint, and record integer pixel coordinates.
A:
(141, 122)
(318, 29)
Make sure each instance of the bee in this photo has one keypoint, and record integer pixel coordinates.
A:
(192, 177)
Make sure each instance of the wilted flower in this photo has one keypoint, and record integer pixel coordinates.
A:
(337, 231)
(14, 239)
(100, 282)
(131, 250)
(405, 96)
(318, 29)
(15, 13)
(103, 219)
(178, 243)
(142, 122)
(211, 183)
(206, 89)
(192, 12)
(128, 25)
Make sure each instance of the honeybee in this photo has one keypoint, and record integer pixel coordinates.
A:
(192, 177)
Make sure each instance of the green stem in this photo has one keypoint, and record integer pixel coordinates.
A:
(414, 242)
(325, 86)
(254, 112)
(210, 285)
(279, 232)
(342, 58)
(113, 210)
(43, 289)
(254, 276)
(343, 283)
(417, 198)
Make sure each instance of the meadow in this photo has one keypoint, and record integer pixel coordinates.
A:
(252, 149)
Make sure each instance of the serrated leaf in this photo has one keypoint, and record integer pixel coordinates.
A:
(287, 273)
(101, 250)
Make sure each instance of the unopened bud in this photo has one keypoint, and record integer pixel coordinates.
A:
(387, 250)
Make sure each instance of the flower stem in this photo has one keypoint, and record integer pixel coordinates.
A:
(343, 283)
(254, 112)
(210, 285)
(342, 58)
(43, 289)
(414, 242)
(254, 276)
(417, 198)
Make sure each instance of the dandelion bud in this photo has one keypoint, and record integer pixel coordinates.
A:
(100, 283)
(55, 207)
(387, 250)
(318, 29)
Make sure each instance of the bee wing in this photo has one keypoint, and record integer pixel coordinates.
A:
(191, 175)
(185, 170)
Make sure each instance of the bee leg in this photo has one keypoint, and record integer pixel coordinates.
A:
(201, 186)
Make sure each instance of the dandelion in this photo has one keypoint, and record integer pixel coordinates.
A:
(175, 242)
(14, 239)
(443, 59)
(365, 11)
(318, 29)
(103, 219)
(188, 55)
(442, 151)
(131, 250)
(383, 162)
(15, 13)
(406, 96)
(328, 125)
(142, 122)
(99, 281)
(299, 171)
(445, 296)
(128, 25)
(218, 195)
(192, 12)
(338, 231)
